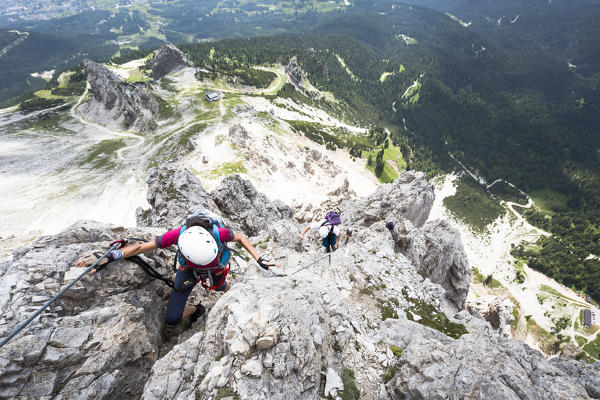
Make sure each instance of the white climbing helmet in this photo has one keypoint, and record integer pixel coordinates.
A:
(197, 245)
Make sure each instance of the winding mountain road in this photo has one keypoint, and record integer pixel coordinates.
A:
(511, 204)
(21, 38)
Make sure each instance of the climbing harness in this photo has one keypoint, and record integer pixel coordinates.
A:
(19, 328)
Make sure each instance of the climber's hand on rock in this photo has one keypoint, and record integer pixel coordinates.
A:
(264, 264)
(89, 258)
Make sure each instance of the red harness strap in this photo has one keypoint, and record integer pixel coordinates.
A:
(225, 272)
(204, 284)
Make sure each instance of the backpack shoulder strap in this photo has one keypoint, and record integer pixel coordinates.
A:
(179, 255)
(224, 252)
(215, 233)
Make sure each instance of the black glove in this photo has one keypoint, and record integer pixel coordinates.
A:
(263, 264)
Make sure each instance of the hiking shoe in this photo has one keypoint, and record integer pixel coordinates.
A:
(200, 311)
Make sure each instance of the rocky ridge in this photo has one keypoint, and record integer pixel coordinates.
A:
(166, 60)
(437, 252)
(297, 76)
(119, 103)
(382, 317)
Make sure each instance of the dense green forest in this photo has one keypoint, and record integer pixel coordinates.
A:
(7, 38)
(40, 52)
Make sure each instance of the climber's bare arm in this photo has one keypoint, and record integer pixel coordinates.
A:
(243, 240)
(128, 251)
(134, 250)
(304, 232)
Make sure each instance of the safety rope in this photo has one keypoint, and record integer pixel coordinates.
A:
(22, 325)
(311, 264)
(150, 271)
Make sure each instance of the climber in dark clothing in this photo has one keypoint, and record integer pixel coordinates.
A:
(199, 258)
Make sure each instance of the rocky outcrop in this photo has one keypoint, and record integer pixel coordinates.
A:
(252, 211)
(498, 311)
(173, 194)
(297, 76)
(410, 196)
(481, 366)
(572, 352)
(438, 254)
(238, 134)
(267, 339)
(295, 73)
(305, 213)
(102, 336)
(167, 59)
(116, 102)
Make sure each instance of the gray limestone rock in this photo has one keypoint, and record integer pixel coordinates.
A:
(333, 382)
(130, 106)
(173, 194)
(287, 333)
(295, 73)
(230, 352)
(570, 352)
(251, 210)
(437, 252)
(167, 59)
(106, 325)
(239, 136)
(485, 367)
(410, 196)
(496, 310)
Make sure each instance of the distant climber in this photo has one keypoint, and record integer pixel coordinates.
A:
(328, 230)
(202, 256)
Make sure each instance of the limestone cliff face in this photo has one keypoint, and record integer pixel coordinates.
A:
(99, 341)
(117, 103)
(384, 305)
(482, 365)
(409, 197)
(437, 252)
(295, 73)
(167, 59)
(173, 194)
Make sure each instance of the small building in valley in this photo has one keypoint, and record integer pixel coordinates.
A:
(587, 318)
(213, 96)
